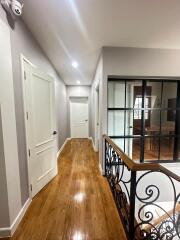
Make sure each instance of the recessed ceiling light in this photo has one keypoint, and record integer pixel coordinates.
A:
(75, 64)
(78, 82)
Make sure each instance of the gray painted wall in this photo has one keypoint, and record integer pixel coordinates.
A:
(97, 81)
(61, 112)
(4, 208)
(23, 43)
(78, 91)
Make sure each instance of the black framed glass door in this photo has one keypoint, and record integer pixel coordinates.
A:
(143, 118)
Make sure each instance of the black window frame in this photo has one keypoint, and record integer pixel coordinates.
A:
(143, 136)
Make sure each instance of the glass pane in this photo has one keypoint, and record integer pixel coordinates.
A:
(133, 124)
(178, 124)
(119, 142)
(151, 148)
(132, 148)
(168, 123)
(178, 144)
(169, 95)
(116, 123)
(153, 94)
(166, 148)
(152, 122)
(133, 91)
(116, 94)
(136, 149)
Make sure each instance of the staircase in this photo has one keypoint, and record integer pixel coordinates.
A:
(147, 195)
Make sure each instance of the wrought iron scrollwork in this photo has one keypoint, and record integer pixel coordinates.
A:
(146, 210)
(150, 224)
(119, 178)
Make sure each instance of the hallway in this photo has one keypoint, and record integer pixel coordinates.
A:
(76, 205)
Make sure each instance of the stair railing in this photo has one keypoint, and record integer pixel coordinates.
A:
(147, 195)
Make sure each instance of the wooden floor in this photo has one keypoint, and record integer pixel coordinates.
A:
(166, 151)
(76, 205)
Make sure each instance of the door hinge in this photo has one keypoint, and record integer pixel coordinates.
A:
(31, 187)
(24, 75)
(29, 152)
(27, 115)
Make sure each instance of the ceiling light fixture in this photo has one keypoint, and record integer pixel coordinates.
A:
(75, 64)
(78, 82)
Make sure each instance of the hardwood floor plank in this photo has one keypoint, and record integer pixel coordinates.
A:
(76, 205)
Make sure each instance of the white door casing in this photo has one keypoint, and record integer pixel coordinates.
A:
(40, 127)
(129, 123)
(79, 117)
(97, 128)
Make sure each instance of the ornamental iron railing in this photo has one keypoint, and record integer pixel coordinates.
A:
(146, 195)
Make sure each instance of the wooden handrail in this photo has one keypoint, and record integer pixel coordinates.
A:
(134, 166)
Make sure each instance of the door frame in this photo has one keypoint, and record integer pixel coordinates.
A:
(24, 59)
(70, 127)
(97, 118)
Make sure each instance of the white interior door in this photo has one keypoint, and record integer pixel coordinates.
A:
(40, 123)
(79, 117)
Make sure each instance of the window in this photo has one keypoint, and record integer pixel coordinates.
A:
(144, 118)
(138, 105)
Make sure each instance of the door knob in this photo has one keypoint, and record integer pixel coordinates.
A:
(54, 133)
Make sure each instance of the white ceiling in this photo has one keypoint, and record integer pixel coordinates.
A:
(71, 30)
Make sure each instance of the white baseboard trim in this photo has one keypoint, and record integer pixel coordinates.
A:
(62, 147)
(20, 216)
(5, 232)
(101, 170)
(90, 138)
(8, 232)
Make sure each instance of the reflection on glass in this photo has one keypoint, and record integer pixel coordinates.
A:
(133, 125)
(160, 117)
(152, 123)
(153, 93)
(169, 95)
(166, 148)
(151, 148)
(116, 94)
(132, 148)
(138, 104)
(136, 149)
(178, 151)
(116, 123)
(119, 142)
(167, 123)
(178, 124)
(133, 90)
